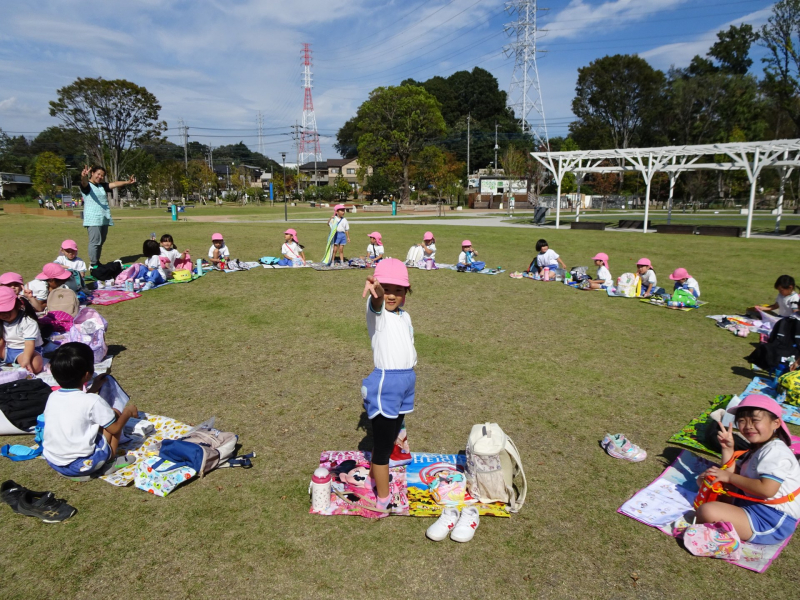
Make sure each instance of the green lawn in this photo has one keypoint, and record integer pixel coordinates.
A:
(278, 356)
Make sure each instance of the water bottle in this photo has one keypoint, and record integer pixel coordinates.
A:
(199, 266)
(428, 264)
(129, 285)
(546, 274)
(320, 490)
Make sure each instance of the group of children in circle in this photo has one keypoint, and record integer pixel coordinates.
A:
(547, 261)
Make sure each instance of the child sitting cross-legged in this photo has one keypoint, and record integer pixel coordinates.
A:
(20, 339)
(81, 431)
(788, 301)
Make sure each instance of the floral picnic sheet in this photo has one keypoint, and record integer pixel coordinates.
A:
(670, 498)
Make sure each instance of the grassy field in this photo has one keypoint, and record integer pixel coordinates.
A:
(278, 356)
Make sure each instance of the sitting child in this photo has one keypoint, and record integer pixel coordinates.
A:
(547, 258)
(467, 255)
(684, 281)
(218, 252)
(429, 250)
(291, 250)
(155, 270)
(788, 299)
(604, 279)
(768, 472)
(375, 249)
(69, 258)
(82, 431)
(53, 276)
(21, 341)
(176, 259)
(647, 274)
(16, 283)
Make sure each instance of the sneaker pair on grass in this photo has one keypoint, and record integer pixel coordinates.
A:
(619, 446)
(43, 505)
(459, 526)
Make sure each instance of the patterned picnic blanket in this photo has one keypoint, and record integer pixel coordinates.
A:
(112, 296)
(670, 498)
(683, 308)
(486, 271)
(333, 267)
(166, 428)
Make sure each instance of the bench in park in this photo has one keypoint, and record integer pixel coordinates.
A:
(633, 224)
(720, 230)
(679, 229)
(588, 225)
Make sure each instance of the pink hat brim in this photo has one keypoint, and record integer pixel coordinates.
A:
(10, 277)
(8, 299)
(69, 245)
(466, 243)
(762, 402)
(216, 237)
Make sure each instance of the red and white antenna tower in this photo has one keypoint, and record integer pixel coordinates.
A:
(309, 138)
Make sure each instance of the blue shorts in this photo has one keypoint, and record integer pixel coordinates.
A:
(89, 464)
(340, 239)
(389, 392)
(12, 354)
(769, 525)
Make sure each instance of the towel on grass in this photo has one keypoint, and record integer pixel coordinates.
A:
(109, 296)
(670, 497)
(683, 308)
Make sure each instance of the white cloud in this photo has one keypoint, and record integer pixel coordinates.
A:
(8, 103)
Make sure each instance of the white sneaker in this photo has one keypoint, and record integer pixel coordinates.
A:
(443, 525)
(466, 526)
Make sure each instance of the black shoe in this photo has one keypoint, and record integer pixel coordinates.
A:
(46, 507)
(10, 492)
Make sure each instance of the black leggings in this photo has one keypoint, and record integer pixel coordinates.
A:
(384, 434)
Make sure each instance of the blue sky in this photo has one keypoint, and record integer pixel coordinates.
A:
(216, 63)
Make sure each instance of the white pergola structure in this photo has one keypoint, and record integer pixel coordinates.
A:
(750, 157)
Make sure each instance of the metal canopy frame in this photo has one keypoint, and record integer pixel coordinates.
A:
(750, 157)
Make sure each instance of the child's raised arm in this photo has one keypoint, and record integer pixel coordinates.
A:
(376, 290)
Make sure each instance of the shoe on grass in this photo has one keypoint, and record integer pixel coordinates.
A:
(10, 492)
(619, 446)
(45, 506)
(443, 525)
(464, 530)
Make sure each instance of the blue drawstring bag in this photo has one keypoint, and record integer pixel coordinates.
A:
(478, 265)
(18, 453)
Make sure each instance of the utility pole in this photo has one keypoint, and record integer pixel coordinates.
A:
(260, 133)
(285, 204)
(185, 145)
(469, 116)
(496, 148)
(297, 137)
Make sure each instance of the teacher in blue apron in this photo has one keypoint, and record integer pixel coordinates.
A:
(96, 212)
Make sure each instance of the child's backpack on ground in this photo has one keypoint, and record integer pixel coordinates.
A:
(579, 274)
(628, 285)
(107, 271)
(415, 255)
(65, 300)
(269, 260)
(493, 463)
(75, 281)
(791, 383)
(781, 348)
(685, 297)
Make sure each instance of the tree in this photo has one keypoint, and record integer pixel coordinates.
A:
(347, 139)
(732, 49)
(112, 117)
(781, 38)
(342, 187)
(48, 175)
(397, 122)
(380, 185)
(616, 102)
(437, 170)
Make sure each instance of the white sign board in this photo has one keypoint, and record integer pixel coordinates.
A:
(500, 186)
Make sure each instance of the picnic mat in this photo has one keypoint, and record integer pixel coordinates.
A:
(670, 497)
(486, 271)
(166, 428)
(334, 267)
(683, 308)
(413, 486)
(111, 296)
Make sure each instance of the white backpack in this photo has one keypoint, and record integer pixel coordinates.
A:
(492, 464)
(628, 285)
(414, 256)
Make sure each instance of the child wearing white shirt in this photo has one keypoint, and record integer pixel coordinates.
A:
(155, 269)
(176, 259)
(603, 279)
(467, 255)
(547, 258)
(648, 278)
(684, 281)
(68, 258)
(218, 251)
(291, 250)
(20, 338)
(788, 299)
(342, 231)
(82, 431)
(375, 249)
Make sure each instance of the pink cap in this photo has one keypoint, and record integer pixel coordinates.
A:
(339, 207)
(8, 299)
(680, 274)
(216, 236)
(428, 236)
(602, 256)
(466, 243)
(53, 271)
(69, 245)
(7, 278)
(293, 233)
(764, 403)
(392, 271)
(643, 262)
(377, 237)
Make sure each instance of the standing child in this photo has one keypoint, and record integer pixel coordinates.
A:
(341, 227)
(788, 299)
(768, 475)
(218, 252)
(375, 249)
(21, 341)
(604, 279)
(82, 431)
(176, 259)
(546, 259)
(155, 270)
(69, 258)
(648, 277)
(684, 281)
(388, 392)
(291, 250)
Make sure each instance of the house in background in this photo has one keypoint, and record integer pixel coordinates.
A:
(13, 184)
(326, 172)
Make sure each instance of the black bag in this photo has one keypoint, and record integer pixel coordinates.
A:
(107, 271)
(579, 274)
(781, 348)
(24, 400)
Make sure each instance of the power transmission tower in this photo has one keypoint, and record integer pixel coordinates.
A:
(309, 138)
(260, 134)
(525, 94)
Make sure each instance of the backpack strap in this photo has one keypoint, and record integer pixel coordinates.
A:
(787, 498)
(18, 453)
(511, 448)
